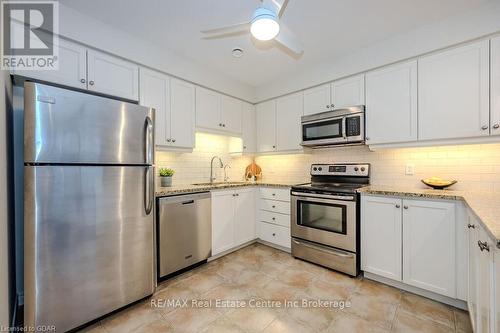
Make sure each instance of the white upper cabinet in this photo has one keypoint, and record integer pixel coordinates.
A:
(348, 92)
(231, 110)
(173, 101)
(217, 112)
(155, 93)
(249, 130)
(381, 227)
(453, 90)
(495, 86)
(266, 126)
(208, 109)
(72, 67)
(317, 99)
(429, 246)
(112, 76)
(289, 110)
(391, 104)
(182, 113)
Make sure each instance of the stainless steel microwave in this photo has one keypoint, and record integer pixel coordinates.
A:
(337, 127)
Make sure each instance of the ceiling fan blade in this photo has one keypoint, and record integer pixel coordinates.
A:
(288, 40)
(231, 29)
(277, 6)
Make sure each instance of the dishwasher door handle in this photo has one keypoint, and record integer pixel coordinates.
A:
(188, 202)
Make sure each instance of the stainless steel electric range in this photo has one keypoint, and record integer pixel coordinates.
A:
(325, 216)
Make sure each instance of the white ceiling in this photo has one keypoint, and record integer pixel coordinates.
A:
(327, 28)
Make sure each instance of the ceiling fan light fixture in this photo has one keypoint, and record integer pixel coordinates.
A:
(265, 24)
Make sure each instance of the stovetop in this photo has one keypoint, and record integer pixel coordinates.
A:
(336, 178)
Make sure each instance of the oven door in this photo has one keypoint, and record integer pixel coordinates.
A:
(324, 219)
(324, 132)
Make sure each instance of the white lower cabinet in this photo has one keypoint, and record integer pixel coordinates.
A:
(275, 234)
(411, 241)
(381, 236)
(233, 219)
(274, 220)
(483, 293)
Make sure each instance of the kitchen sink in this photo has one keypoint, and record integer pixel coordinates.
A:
(218, 183)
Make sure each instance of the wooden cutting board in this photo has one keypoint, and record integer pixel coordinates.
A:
(253, 170)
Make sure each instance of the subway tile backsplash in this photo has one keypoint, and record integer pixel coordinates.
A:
(476, 167)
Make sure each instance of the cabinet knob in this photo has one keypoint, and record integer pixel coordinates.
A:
(82, 80)
(274, 219)
(471, 226)
(496, 126)
(168, 140)
(367, 138)
(91, 83)
(173, 140)
(244, 147)
(220, 124)
(274, 206)
(333, 106)
(274, 234)
(398, 206)
(274, 194)
(484, 128)
(274, 146)
(405, 207)
(483, 246)
(328, 106)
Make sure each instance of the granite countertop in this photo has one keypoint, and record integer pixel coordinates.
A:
(179, 189)
(485, 205)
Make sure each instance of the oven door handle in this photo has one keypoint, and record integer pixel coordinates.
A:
(336, 252)
(324, 196)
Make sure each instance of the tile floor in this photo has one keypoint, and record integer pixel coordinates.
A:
(258, 275)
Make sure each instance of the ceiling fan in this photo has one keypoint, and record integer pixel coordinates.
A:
(264, 26)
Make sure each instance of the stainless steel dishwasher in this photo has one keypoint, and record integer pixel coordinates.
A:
(184, 231)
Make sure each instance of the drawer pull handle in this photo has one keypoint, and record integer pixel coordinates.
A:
(274, 194)
(483, 246)
(274, 206)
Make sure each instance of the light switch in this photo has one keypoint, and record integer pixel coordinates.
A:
(409, 170)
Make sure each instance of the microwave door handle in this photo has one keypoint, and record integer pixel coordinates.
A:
(344, 132)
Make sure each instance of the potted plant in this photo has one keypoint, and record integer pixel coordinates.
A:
(166, 176)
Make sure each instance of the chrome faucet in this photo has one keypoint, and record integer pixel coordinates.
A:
(212, 178)
(226, 177)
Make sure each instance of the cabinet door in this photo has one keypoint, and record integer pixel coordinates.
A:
(429, 246)
(348, 92)
(222, 221)
(182, 103)
(485, 284)
(453, 93)
(266, 126)
(391, 104)
(289, 110)
(317, 99)
(231, 109)
(72, 67)
(248, 128)
(381, 236)
(473, 271)
(208, 109)
(112, 76)
(244, 216)
(155, 93)
(495, 86)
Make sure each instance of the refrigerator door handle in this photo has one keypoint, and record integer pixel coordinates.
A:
(148, 141)
(149, 182)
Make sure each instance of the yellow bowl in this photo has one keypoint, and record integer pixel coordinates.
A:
(438, 183)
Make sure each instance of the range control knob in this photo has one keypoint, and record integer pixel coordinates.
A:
(363, 169)
(356, 168)
(320, 169)
(315, 169)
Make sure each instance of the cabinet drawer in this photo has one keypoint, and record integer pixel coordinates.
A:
(281, 194)
(275, 206)
(274, 234)
(274, 218)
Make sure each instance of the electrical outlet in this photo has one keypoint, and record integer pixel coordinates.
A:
(409, 170)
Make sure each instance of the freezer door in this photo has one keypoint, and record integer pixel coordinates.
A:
(88, 242)
(64, 126)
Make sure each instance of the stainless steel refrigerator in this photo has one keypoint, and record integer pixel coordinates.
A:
(88, 205)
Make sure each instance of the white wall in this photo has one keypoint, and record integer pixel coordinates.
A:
(4, 241)
(483, 21)
(87, 30)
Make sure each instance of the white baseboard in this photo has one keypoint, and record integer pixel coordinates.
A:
(222, 254)
(425, 293)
